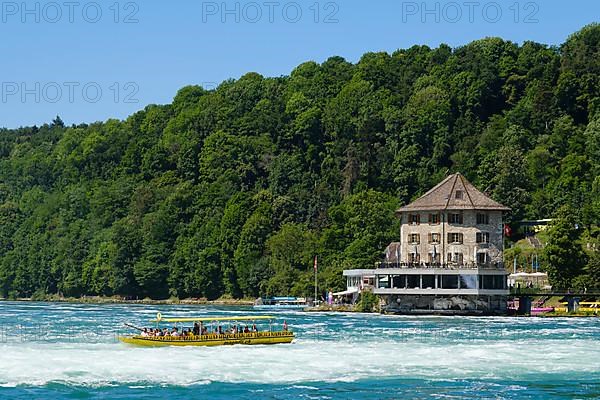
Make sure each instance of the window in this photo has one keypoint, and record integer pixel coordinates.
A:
(449, 281)
(414, 238)
(434, 258)
(482, 237)
(458, 195)
(413, 282)
(481, 258)
(455, 258)
(434, 219)
(455, 218)
(399, 281)
(483, 219)
(383, 282)
(455, 238)
(493, 282)
(434, 238)
(428, 281)
(458, 258)
(413, 258)
(414, 219)
(468, 281)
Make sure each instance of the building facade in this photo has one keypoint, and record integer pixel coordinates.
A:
(449, 257)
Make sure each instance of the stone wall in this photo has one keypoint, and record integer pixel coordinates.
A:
(469, 228)
(408, 304)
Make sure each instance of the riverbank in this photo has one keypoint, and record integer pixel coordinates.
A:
(119, 300)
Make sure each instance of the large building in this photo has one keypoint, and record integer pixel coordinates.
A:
(449, 256)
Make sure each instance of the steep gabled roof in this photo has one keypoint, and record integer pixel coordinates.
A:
(443, 197)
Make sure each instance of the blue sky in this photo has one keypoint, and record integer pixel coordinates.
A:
(88, 61)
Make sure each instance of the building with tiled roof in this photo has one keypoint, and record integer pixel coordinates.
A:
(450, 253)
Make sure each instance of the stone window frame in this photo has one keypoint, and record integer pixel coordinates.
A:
(430, 238)
(459, 236)
(485, 257)
(414, 219)
(456, 218)
(486, 218)
(412, 236)
(433, 216)
(482, 237)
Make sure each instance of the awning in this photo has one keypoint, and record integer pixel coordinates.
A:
(346, 292)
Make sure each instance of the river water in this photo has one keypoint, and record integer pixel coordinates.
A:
(56, 351)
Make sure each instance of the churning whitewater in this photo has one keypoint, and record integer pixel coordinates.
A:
(62, 347)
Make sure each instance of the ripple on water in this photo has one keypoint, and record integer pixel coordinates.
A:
(494, 357)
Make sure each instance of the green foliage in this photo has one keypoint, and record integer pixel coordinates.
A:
(368, 302)
(232, 191)
(564, 254)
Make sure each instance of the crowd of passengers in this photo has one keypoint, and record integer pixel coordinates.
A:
(197, 330)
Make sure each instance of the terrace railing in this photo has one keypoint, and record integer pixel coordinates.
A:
(404, 265)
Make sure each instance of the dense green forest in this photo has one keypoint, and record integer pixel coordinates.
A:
(232, 191)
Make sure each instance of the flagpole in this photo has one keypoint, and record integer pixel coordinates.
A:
(315, 267)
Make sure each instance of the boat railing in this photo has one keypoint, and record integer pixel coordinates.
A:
(216, 336)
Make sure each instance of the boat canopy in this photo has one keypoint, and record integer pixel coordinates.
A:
(211, 319)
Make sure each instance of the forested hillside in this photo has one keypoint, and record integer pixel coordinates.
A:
(233, 191)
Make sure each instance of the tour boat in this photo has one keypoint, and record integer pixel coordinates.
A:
(211, 331)
(280, 303)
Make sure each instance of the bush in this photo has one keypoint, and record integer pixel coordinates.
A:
(368, 302)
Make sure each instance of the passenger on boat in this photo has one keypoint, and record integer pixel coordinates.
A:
(145, 332)
(175, 332)
(166, 332)
(285, 327)
(246, 330)
(196, 329)
(254, 328)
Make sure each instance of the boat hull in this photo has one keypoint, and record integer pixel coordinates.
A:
(211, 340)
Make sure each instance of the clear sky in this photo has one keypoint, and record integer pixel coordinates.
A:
(88, 61)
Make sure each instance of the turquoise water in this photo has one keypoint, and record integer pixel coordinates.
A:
(56, 351)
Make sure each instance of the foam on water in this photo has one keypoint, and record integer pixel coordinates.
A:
(329, 348)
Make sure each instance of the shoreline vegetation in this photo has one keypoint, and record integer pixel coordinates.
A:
(228, 302)
(238, 191)
(121, 300)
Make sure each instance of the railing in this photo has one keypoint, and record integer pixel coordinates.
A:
(216, 336)
(405, 265)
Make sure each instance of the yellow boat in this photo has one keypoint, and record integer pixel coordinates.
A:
(213, 337)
